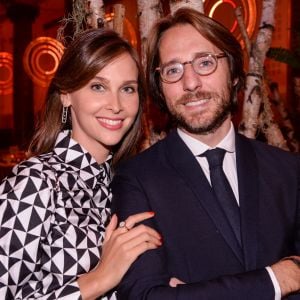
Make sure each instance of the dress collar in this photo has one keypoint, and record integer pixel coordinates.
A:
(77, 157)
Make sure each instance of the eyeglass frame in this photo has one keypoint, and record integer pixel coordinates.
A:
(215, 56)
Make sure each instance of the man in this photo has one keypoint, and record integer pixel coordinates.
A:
(195, 69)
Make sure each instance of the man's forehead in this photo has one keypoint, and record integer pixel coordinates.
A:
(183, 42)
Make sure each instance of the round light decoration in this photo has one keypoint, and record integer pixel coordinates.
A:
(41, 59)
(224, 12)
(6, 73)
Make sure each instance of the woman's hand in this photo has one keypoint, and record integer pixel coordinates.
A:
(121, 247)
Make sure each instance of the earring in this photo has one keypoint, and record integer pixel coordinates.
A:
(64, 116)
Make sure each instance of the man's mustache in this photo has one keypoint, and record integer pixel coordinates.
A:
(199, 95)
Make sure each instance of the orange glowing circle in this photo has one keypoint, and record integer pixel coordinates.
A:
(215, 9)
(41, 59)
(218, 3)
(6, 73)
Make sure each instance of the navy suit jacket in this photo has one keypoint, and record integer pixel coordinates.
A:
(198, 246)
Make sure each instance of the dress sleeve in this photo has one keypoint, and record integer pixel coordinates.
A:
(25, 219)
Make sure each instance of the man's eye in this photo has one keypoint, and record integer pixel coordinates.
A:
(173, 70)
(205, 63)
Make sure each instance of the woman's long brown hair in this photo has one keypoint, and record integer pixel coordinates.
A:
(90, 52)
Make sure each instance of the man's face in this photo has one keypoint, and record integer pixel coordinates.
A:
(199, 103)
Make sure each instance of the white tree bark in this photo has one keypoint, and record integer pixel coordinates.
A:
(286, 122)
(297, 86)
(195, 4)
(254, 80)
(269, 127)
(149, 11)
(245, 36)
(119, 15)
(95, 13)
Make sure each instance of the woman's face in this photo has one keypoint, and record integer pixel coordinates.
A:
(104, 109)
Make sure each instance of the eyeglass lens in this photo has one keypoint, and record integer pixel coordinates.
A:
(202, 64)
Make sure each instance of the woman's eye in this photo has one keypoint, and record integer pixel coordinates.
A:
(130, 89)
(97, 87)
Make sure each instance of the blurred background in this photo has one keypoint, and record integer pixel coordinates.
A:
(30, 52)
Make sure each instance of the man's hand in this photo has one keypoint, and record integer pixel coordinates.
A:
(287, 272)
(175, 281)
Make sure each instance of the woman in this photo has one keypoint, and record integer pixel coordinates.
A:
(54, 206)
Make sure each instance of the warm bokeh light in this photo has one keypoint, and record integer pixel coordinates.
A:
(6, 73)
(41, 59)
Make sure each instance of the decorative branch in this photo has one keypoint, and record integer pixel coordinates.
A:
(254, 80)
(85, 14)
(242, 26)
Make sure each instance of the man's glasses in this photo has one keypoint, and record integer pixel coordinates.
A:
(203, 64)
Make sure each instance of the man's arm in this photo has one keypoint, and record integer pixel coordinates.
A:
(287, 272)
(148, 278)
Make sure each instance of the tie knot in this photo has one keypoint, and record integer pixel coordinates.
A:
(215, 157)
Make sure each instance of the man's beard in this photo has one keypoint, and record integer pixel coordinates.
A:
(224, 108)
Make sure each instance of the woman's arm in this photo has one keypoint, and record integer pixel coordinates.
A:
(24, 220)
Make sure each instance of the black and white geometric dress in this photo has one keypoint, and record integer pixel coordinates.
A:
(53, 213)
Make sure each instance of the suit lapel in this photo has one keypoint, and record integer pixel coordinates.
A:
(247, 172)
(188, 168)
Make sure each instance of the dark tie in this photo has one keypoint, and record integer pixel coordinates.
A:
(222, 189)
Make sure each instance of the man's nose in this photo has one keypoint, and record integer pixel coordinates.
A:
(190, 79)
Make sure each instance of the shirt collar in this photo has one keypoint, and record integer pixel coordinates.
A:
(198, 148)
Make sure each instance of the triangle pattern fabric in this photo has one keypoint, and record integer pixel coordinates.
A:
(53, 212)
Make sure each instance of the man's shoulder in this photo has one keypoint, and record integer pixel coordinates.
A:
(155, 155)
(263, 150)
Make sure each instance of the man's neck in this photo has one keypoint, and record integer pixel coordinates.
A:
(214, 138)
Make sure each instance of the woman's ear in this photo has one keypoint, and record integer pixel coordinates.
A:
(65, 99)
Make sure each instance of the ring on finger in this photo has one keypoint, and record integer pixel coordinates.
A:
(123, 225)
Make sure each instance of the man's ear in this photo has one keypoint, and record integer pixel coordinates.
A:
(65, 99)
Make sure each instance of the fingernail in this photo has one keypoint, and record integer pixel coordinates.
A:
(152, 213)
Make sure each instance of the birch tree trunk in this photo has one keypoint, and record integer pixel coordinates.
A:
(269, 127)
(242, 26)
(119, 15)
(195, 4)
(95, 13)
(284, 115)
(254, 79)
(149, 11)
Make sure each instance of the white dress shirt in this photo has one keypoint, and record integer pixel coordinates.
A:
(229, 167)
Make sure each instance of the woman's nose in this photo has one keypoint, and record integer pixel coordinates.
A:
(115, 104)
